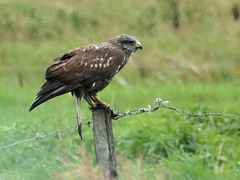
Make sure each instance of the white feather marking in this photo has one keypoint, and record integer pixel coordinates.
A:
(91, 65)
(101, 59)
(96, 65)
(84, 50)
(85, 63)
(93, 84)
(104, 65)
(100, 65)
(107, 64)
(118, 69)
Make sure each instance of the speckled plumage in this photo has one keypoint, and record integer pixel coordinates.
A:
(86, 70)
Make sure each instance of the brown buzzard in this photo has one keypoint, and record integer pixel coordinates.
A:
(86, 70)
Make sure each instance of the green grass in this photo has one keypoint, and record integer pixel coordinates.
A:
(164, 139)
(195, 67)
(205, 48)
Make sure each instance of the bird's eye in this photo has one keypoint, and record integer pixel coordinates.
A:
(128, 42)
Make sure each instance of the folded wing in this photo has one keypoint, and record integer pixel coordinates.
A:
(80, 68)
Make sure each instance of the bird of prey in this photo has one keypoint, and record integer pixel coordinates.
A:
(84, 71)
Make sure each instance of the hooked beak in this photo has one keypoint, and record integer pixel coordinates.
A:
(138, 45)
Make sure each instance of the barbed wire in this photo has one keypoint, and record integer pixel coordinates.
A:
(38, 136)
(159, 103)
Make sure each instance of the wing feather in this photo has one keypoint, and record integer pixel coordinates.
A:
(87, 63)
(79, 68)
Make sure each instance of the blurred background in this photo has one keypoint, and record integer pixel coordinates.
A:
(190, 57)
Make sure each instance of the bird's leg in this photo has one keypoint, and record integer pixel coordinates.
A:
(79, 120)
(89, 101)
(98, 101)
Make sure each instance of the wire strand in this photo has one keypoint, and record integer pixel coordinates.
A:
(159, 103)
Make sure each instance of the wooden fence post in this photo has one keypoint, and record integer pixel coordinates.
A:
(103, 142)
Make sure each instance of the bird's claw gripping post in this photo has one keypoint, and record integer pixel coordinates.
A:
(95, 102)
(98, 102)
(105, 105)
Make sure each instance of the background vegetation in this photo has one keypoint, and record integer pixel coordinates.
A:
(190, 56)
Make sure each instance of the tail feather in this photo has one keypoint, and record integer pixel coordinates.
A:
(50, 90)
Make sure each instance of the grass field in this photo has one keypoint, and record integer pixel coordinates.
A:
(195, 67)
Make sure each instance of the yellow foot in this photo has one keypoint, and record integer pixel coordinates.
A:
(97, 102)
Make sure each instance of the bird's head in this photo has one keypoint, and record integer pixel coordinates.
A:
(127, 43)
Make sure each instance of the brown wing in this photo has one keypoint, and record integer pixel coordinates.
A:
(85, 67)
(86, 63)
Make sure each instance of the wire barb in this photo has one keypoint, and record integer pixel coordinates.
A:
(159, 103)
